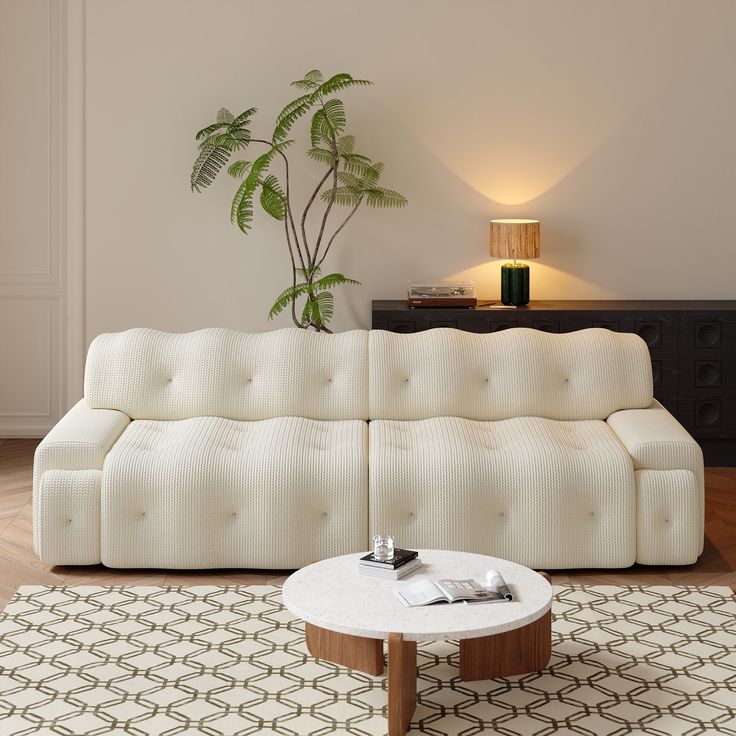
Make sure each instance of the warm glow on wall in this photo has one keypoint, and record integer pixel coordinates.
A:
(516, 158)
(515, 175)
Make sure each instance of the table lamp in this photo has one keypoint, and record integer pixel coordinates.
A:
(515, 239)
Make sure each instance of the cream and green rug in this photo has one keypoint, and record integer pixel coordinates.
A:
(224, 660)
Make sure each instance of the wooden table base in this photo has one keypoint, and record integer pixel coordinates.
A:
(516, 652)
(353, 652)
(402, 683)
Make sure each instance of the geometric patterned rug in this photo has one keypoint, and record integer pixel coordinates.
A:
(231, 660)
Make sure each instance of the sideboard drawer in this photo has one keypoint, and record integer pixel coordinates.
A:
(715, 417)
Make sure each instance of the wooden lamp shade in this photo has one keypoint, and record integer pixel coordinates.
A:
(515, 238)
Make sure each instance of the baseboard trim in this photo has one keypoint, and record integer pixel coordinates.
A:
(30, 432)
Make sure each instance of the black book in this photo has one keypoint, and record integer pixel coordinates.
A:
(401, 557)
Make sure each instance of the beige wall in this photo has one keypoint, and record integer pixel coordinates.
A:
(612, 121)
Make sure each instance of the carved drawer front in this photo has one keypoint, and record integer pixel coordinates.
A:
(658, 332)
(651, 332)
(463, 321)
(708, 373)
(427, 319)
(711, 417)
(607, 324)
(707, 358)
(708, 333)
(491, 322)
(546, 325)
(403, 325)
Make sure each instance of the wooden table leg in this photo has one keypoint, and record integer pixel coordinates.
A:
(356, 652)
(516, 652)
(402, 683)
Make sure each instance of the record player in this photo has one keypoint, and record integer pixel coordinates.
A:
(442, 294)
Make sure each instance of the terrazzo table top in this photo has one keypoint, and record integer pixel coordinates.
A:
(333, 595)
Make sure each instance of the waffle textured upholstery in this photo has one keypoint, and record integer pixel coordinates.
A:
(541, 492)
(213, 492)
(223, 449)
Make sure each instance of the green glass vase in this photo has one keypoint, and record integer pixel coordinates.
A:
(515, 284)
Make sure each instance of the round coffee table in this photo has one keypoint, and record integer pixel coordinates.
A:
(348, 616)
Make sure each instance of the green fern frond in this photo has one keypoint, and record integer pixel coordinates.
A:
(345, 145)
(238, 168)
(344, 196)
(349, 180)
(334, 111)
(290, 114)
(319, 309)
(308, 313)
(304, 84)
(308, 272)
(372, 174)
(224, 116)
(319, 129)
(379, 197)
(331, 281)
(241, 209)
(273, 199)
(209, 130)
(229, 140)
(338, 82)
(319, 154)
(354, 163)
(311, 80)
(286, 297)
(244, 117)
(328, 122)
(315, 75)
(325, 306)
(207, 166)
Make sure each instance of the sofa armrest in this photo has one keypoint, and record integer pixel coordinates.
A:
(657, 441)
(79, 441)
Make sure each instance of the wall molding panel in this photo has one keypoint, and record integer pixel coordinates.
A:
(41, 228)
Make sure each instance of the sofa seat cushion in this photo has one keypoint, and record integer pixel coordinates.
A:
(211, 492)
(541, 492)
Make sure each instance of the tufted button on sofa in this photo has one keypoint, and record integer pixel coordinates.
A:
(223, 449)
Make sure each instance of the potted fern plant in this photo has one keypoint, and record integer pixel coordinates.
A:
(349, 180)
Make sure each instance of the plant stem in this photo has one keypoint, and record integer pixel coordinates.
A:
(289, 215)
(293, 273)
(336, 160)
(337, 232)
(306, 210)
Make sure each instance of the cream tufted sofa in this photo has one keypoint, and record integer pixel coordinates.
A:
(224, 449)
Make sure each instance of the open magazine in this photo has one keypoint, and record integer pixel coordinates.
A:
(424, 592)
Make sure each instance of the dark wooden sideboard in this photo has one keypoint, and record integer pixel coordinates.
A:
(692, 344)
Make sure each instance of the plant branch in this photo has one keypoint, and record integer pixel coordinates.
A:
(336, 160)
(289, 215)
(337, 232)
(306, 210)
(293, 273)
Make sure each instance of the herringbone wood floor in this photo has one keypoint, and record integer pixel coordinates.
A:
(19, 566)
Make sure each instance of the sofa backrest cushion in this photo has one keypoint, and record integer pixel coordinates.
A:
(587, 374)
(219, 372)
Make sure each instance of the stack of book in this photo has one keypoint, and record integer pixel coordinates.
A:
(403, 563)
